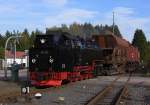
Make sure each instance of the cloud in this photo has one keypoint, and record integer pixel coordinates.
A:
(56, 2)
(127, 20)
(7, 9)
(124, 11)
(69, 16)
(48, 13)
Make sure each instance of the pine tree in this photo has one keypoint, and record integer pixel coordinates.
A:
(75, 29)
(64, 28)
(1, 53)
(38, 32)
(2, 41)
(116, 31)
(25, 40)
(8, 34)
(98, 29)
(32, 38)
(140, 42)
(88, 29)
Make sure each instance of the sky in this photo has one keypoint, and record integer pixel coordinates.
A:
(32, 14)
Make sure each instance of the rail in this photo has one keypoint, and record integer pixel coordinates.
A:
(123, 92)
(116, 101)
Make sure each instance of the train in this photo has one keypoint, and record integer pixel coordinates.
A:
(59, 57)
(119, 56)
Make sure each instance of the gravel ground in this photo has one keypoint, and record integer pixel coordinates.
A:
(8, 87)
(138, 91)
(78, 93)
(147, 96)
(136, 95)
(112, 94)
(72, 94)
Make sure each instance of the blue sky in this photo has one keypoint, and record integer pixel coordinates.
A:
(32, 14)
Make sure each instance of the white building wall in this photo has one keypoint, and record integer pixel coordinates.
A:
(18, 61)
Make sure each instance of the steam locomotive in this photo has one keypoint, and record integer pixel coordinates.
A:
(60, 57)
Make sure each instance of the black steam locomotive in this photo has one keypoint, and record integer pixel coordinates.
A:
(58, 56)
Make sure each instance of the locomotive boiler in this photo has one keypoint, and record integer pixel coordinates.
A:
(58, 56)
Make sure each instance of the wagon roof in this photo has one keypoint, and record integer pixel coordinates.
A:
(121, 42)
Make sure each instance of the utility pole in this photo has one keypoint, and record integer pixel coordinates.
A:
(113, 23)
(14, 50)
(5, 60)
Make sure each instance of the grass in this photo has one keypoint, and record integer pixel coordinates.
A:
(148, 74)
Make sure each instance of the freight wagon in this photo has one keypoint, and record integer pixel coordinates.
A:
(118, 54)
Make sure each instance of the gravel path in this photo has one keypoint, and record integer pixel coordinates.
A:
(136, 96)
(139, 91)
(78, 93)
(108, 99)
(8, 87)
(72, 94)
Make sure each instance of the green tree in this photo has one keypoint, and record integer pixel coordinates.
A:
(2, 41)
(8, 34)
(24, 40)
(88, 29)
(38, 32)
(116, 31)
(75, 29)
(140, 42)
(32, 38)
(64, 28)
(1, 53)
(98, 29)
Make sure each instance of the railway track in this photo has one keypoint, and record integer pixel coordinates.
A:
(111, 94)
(14, 96)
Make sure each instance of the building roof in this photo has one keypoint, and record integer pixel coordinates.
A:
(19, 54)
